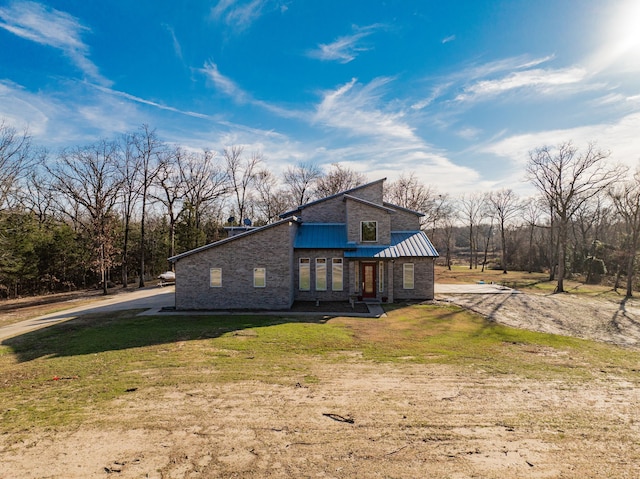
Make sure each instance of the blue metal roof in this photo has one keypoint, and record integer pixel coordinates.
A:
(404, 244)
(334, 236)
(322, 236)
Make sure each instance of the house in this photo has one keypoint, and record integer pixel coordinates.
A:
(345, 246)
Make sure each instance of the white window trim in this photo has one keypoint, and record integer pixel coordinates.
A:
(405, 269)
(334, 263)
(255, 270)
(307, 265)
(323, 263)
(211, 285)
(362, 240)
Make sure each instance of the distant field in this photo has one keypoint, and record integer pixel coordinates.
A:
(429, 391)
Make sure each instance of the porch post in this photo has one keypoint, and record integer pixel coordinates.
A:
(390, 265)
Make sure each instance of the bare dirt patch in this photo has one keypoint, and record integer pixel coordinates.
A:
(357, 420)
(615, 321)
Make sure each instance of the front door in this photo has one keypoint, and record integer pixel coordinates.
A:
(368, 280)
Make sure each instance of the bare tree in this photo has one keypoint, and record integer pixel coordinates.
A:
(626, 199)
(531, 215)
(90, 180)
(503, 205)
(567, 179)
(272, 199)
(338, 178)
(301, 180)
(205, 182)
(148, 148)
(242, 176)
(130, 166)
(170, 188)
(15, 150)
(472, 206)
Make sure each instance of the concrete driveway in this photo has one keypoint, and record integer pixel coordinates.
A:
(472, 288)
(152, 299)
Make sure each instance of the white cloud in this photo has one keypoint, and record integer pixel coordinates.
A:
(448, 39)
(351, 108)
(544, 81)
(344, 49)
(238, 14)
(223, 83)
(50, 27)
(620, 137)
(176, 44)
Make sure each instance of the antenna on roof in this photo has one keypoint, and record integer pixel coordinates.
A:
(231, 219)
(247, 222)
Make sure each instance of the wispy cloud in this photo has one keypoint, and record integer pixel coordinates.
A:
(352, 108)
(53, 28)
(224, 84)
(448, 39)
(176, 44)
(346, 48)
(544, 81)
(238, 14)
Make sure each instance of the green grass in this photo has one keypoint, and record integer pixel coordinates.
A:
(100, 358)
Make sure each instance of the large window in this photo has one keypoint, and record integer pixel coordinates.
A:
(407, 276)
(215, 278)
(304, 274)
(336, 274)
(321, 274)
(369, 231)
(259, 277)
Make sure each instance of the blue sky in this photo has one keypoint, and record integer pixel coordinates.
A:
(456, 92)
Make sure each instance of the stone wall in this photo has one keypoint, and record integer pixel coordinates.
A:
(404, 221)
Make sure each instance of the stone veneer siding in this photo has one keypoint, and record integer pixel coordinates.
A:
(270, 248)
(423, 278)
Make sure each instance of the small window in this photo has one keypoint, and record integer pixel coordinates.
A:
(259, 277)
(336, 274)
(321, 274)
(304, 274)
(381, 277)
(407, 276)
(369, 231)
(215, 278)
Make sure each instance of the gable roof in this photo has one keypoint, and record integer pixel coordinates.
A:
(336, 195)
(253, 231)
(368, 203)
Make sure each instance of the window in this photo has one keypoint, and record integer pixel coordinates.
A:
(369, 231)
(381, 276)
(304, 274)
(215, 278)
(336, 274)
(407, 276)
(259, 277)
(321, 274)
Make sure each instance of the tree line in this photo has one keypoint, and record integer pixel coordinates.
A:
(114, 210)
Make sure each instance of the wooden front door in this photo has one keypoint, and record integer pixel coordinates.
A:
(368, 280)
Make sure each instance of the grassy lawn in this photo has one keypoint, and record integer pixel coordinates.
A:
(531, 282)
(66, 374)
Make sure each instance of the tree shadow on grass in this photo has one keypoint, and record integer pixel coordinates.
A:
(97, 333)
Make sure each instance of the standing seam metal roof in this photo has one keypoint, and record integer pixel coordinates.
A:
(334, 236)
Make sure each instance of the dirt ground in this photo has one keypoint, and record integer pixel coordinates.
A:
(367, 420)
(598, 318)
